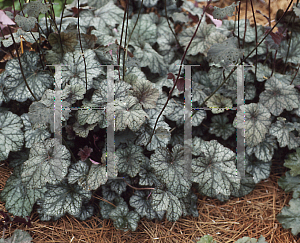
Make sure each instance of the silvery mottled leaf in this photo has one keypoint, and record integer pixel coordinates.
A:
(33, 134)
(37, 81)
(177, 108)
(145, 31)
(250, 31)
(171, 170)
(215, 171)
(25, 23)
(260, 170)
(264, 151)
(289, 217)
(139, 200)
(166, 201)
(34, 8)
(198, 117)
(110, 14)
(64, 198)
(220, 128)
(279, 96)
(189, 204)
(11, 135)
(205, 37)
(290, 184)
(90, 116)
(129, 112)
(96, 177)
(75, 72)
(18, 199)
(148, 57)
(86, 212)
(48, 162)
(257, 122)
(191, 8)
(83, 130)
(180, 17)
(130, 159)
(221, 13)
(78, 173)
(227, 51)
(283, 132)
(247, 186)
(245, 239)
(123, 219)
(72, 93)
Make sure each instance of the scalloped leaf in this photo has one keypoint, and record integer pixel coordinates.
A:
(68, 42)
(290, 183)
(130, 159)
(33, 134)
(106, 207)
(283, 132)
(11, 135)
(189, 204)
(166, 201)
(257, 122)
(109, 14)
(293, 163)
(33, 9)
(220, 128)
(48, 162)
(146, 94)
(162, 134)
(205, 37)
(279, 96)
(38, 82)
(123, 219)
(63, 198)
(72, 93)
(18, 199)
(219, 101)
(289, 217)
(83, 130)
(78, 173)
(226, 51)
(129, 112)
(221, 13)
(25, 23)
(148, 57)
(258, 169)
(75, 73)
(264, 150)
(170, 168)
(96, 177)
(91, 116)
(215, 171)
(140, 201)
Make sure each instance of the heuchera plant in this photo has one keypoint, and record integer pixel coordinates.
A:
(153, 180)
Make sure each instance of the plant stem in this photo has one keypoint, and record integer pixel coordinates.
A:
(21, 64)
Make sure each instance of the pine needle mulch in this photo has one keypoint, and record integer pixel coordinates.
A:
(252, 215)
